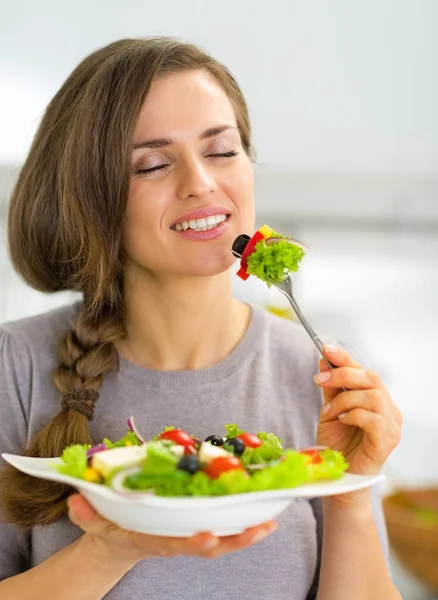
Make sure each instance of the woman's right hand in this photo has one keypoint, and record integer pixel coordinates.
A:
(112, 545)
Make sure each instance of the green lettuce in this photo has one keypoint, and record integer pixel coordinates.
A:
(74, 461)
(130, 438)
(271, 448)
(233, 430)
(270, 262)
(290, 472)
(332, 466)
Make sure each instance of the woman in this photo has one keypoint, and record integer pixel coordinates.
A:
(145, 137)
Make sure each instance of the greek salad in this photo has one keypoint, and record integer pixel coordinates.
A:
(175, 463)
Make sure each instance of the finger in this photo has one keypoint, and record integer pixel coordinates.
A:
(349, 378)
(205, 545)
(339, 357)
(251, 536)
(82, 514)
(371, 423)
(371, 400)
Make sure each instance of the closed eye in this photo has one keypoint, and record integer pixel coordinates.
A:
(224, 154)
(152, 169)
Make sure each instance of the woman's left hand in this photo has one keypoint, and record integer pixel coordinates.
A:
(363, 423)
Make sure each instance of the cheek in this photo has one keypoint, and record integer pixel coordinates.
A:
(241, 192)
(141, 221)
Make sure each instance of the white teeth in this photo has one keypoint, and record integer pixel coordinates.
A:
(201, 224)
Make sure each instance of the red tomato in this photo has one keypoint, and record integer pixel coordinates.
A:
(181, 438)
(221, 464)
(315, 457)
(250, 440)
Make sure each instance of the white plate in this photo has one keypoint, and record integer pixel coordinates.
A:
(181, 517)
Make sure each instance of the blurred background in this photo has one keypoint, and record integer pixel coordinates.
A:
(344, 102)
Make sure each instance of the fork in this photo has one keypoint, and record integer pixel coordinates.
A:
(285, 287)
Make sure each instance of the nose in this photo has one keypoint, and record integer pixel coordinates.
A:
(195, 180)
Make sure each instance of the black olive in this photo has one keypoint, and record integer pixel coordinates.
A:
(189, 463)
(240, 244)
(215, 440)
(237, 444)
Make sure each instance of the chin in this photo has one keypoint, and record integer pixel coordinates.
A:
(211, 266)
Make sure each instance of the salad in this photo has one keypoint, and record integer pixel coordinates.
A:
(268, 255)
(175, 463)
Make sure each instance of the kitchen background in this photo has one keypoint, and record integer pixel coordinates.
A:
(344, 101)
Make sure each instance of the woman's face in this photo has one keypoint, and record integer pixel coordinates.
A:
(191, 191)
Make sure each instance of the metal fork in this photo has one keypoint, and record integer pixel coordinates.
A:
(285, 287)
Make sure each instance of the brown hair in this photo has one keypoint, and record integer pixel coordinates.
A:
(64, 229)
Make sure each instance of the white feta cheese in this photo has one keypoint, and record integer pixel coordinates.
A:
(208, 452)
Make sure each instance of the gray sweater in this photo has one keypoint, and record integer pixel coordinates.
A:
(265, 384)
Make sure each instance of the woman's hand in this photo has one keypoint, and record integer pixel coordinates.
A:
(112, 545)
(363, 423)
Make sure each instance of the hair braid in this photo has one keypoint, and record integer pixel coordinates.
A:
(85, 353)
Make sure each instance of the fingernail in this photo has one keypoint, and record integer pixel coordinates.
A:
(331, 349)
(261, 535)
(342, 415)
(326, 409)
(321, 377)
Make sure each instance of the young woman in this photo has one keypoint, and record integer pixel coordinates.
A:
(137, 183)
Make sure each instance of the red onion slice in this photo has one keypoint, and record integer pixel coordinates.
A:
(95, 449)
(135, 431)
(274, 240)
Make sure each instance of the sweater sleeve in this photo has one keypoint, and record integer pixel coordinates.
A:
(15, 392)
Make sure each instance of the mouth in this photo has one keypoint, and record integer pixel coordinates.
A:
(202, 224)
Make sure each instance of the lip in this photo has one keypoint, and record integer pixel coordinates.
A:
(207, 235)
(201, 213)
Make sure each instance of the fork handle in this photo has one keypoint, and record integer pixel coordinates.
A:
(317, 341)
(312, 334)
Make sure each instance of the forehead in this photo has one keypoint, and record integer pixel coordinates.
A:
(182, 103)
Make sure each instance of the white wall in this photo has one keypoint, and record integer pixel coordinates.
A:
(335, 85)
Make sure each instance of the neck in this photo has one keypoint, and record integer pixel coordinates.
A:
(175, 324)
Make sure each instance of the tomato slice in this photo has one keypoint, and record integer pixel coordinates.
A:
(315, 457)
(250, 440)
(221, 464)
(181, 438)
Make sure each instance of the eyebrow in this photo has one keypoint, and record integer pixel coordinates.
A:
(162, 142)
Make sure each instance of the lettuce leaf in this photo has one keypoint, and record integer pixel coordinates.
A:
(75, 461)
(233, 430)
(290, 472)
(271, 262)
(271, 448)
(129, 439)
(332, 466)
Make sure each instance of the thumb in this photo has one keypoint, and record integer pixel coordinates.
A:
(82, 514)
